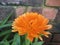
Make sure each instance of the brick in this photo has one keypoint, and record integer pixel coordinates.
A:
(9, 0)
(57, 23)
(52, 2)
(49, 13)
(35, 2)
(55, 44)
(57, 19)
(20, 10)
(3, 2)
(5, 11)
(56, 38)
(47, 39)
(54, 30)
(29, 9)
(22, 2)
(34, 9)
(52, 43)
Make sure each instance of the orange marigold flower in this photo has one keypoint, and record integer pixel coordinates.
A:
(32, 24)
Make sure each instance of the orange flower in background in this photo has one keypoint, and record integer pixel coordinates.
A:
(32, 24)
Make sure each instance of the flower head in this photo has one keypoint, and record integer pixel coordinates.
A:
(32, 24)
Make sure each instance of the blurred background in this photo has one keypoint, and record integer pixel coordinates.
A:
(48, 8)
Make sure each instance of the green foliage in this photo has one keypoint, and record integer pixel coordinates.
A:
(37, 43)
(6, 25)
(27, 42)
(5, 33)
(24, 40)
(5, 42)
(16, 40)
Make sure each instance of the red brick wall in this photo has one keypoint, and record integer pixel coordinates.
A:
(55, 38)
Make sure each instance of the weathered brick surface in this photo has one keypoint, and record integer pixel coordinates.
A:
(47, 39)
(52, 2)
(21, 9)
(35, 2)
(23, 2)
(52, 43)
(50, 13)
(55, 30)
(56, 38)
(5, 11)
(57, 20)
(35, 9)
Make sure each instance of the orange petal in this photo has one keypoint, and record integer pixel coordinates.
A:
(46, 36)
(21, 33)
(14, 30)
(46, 33)
(30, 38)
(49, 26)
(40, 38)
(45, 21)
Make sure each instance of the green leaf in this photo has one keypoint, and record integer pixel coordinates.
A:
(5, 38)
(6, 25)
(36, 39)
(11, 41)
(24, 40)
(7, 18)
(0, 21)
(27, 42)
(5, 32)
(5, 42)
(16, 40)
(38, 43)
